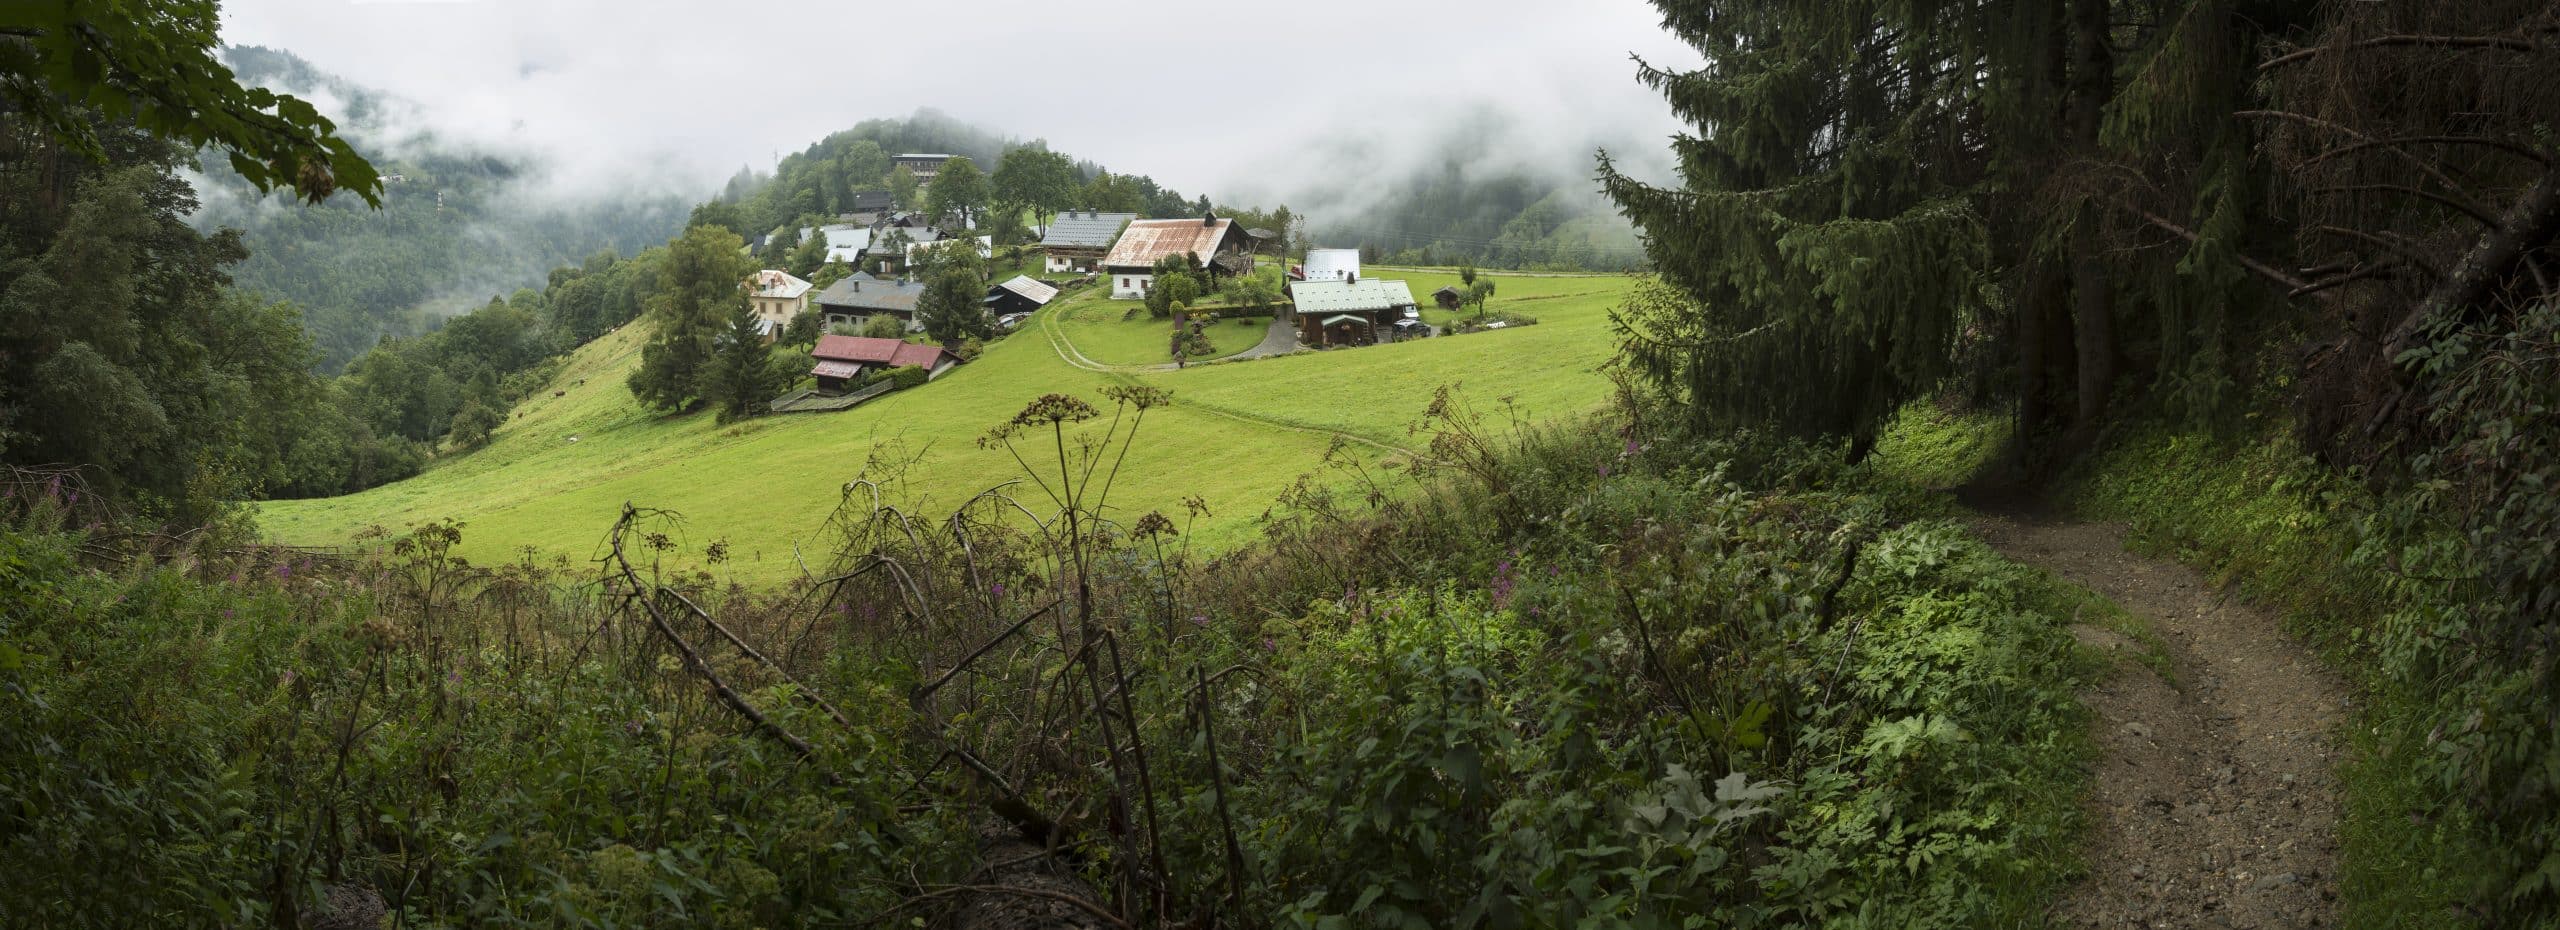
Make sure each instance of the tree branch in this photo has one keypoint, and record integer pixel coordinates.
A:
(2263, 270)
(2498, 42)
(2465, 207)
(2508, 146)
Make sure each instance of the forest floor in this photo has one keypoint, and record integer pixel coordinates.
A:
(2215, 801)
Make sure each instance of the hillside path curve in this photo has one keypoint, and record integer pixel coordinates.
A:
(2214, 802)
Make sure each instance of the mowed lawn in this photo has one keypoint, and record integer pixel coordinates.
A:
(1121, 332)
(555, 477)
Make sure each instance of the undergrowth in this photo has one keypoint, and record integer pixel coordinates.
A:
(1594, 678)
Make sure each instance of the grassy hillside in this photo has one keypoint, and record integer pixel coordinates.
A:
(1236, 436)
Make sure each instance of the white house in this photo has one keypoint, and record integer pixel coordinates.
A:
(1076, 240)
(845, 241)
(1331, 265)
(777, 296)
(1132, 262)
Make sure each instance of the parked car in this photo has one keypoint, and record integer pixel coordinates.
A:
(1011, 320)
(1410, 329)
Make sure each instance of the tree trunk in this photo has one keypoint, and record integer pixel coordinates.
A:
(2092, 303)
(2093, 313)
(2045, 357)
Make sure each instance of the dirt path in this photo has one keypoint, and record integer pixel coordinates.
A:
(2215, 803)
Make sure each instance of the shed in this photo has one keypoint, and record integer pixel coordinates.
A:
(842, 361)
(1448, 297)
(1020, 294)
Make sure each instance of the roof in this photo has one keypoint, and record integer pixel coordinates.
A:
(1085, 230)
(919, 156)
(1146, 241)
(845, 241)
(861, 292)
(1344, 318)
(868, 350)
(1034, 291)
(869, 201)
(836, 369)
(1345, 297)
(1451, 290)
(1332, 264)
(771, 283)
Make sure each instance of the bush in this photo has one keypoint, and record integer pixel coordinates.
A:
(901, 377)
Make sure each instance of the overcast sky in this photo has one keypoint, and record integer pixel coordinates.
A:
(1222, 98)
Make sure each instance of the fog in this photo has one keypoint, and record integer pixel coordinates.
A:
(1241, 102)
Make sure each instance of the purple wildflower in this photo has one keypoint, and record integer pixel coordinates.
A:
(997, 589)
(1270, 645)
(1200, 620)
(226, 613)
(284, 570)
(1604, 469)
(288, 678)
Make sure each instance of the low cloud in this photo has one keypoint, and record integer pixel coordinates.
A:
(1236, 101)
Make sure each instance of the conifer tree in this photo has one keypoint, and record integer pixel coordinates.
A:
(701, 284)
(1875, 189)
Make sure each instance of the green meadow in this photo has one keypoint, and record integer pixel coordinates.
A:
(556, 475)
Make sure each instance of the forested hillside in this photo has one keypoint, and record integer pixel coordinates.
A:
(457, 224)
(1461, 212)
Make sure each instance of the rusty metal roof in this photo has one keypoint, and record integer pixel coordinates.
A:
(1146, 241)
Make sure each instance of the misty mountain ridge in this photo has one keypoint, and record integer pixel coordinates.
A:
(461, 222)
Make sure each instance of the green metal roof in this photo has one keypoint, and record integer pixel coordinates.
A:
(1353, 297)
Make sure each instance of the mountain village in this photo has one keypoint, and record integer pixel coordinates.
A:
(867, 322)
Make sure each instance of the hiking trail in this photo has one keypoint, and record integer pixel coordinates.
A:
(2214, 800)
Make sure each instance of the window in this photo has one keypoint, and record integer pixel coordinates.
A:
(1124, 283)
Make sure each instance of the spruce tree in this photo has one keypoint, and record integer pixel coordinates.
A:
(1868, 181)
(740, 378)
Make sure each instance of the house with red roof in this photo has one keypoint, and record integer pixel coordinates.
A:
(843, 361)
(1215, 244)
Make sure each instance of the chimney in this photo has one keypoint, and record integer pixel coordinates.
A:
(1209, 219)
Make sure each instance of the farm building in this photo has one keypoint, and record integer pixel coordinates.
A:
(1078, 241)
(776, 297)
(1021, 294)
(844, 360)
(861, 295)
(1448, 297)
(924, 164)
(1215, 243)
(1330, 265)
(1337, 313)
